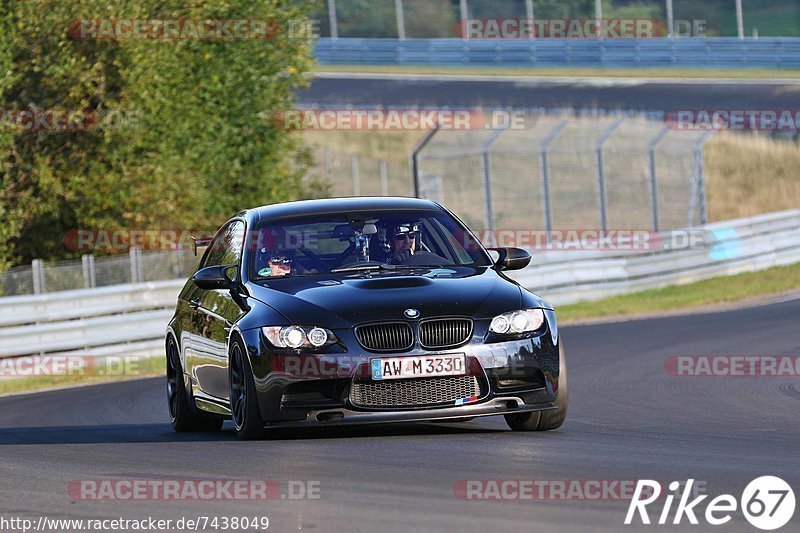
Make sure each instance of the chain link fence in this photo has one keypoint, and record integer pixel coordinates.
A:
(351, 174)
(547, 173)
(555, 173)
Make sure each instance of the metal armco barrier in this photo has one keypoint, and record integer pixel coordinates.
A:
(719, 52)
(743, 245)
(131, 319)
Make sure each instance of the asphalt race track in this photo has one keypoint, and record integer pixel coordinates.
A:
(628, 420)
(630, 94)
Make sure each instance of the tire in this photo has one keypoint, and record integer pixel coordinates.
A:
(552, 418)
(244, 403)
(183, 415)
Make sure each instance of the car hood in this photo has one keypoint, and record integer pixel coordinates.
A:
(341, 300)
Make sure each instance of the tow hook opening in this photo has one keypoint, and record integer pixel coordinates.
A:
(331, 416)
(512, 404)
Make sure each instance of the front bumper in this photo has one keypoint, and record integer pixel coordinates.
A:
(515, 376)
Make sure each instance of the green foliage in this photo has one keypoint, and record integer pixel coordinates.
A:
(191, 144)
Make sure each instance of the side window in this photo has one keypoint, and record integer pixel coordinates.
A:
(226, 248)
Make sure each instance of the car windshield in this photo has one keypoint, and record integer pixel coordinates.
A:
(361, 241)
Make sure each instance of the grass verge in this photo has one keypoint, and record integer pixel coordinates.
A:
(724, 289)
(131, 369)
(749, 175)
(568, 72)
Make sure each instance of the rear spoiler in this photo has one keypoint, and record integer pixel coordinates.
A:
(200, 242)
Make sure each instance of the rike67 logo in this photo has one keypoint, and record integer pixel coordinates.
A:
(767, 503)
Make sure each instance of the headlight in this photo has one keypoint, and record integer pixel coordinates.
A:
(522, 321)
(298, 336)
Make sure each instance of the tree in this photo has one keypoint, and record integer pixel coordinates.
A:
(179, 133)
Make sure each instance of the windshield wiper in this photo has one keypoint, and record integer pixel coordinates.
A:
(385, 266)
(355, 268)
(420, 266)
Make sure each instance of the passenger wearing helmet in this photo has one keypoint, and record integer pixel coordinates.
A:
(275, 263)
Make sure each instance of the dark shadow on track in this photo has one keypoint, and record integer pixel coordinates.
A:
(145, 433)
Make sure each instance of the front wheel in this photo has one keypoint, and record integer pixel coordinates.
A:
(183, 415)
(553, 418)
(244, 403)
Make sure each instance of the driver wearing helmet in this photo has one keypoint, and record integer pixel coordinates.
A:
(403, 242)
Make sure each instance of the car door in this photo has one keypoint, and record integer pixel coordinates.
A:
(215, 314)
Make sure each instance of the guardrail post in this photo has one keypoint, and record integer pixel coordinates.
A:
(37, 271)
(601, 173)
(136, 265)
(89, 278)
(653, 177)
(544, 168)
(384, 178)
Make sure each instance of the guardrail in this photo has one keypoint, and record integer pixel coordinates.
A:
(743, 245)
(131, 319)
(719, 52)
(92, 321)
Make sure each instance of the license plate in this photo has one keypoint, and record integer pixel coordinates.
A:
(418, 366)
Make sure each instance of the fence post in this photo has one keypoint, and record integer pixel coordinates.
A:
(701, 175)
(544, 168)
(37, 271)
(415, 157)
(136, 265)
(487, 178)
(384, 178)
(698, 183)
(327, 163)
(529, 14)
(670, 20)
(401, 21)
(332, 19)
(356, 177)
(601, 173)
(653, 178)
(89, 278)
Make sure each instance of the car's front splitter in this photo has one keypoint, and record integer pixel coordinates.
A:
(343, 416)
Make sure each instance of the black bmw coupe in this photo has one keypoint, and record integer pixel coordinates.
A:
(359, 310)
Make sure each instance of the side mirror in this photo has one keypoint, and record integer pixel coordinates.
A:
(213, 277)
(511, 258)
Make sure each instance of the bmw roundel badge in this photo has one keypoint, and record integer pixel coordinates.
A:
(411, 313)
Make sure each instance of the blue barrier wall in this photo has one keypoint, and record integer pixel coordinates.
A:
(779, 52)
